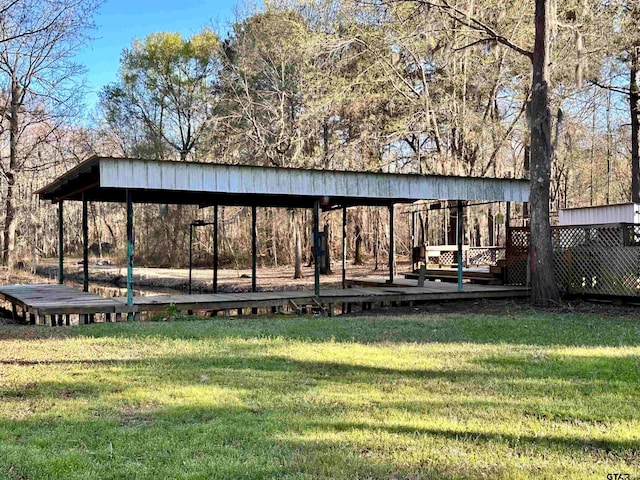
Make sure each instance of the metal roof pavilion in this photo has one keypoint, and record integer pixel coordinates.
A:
(131, 180)
(156, 181)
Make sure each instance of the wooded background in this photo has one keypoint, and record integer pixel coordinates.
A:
(391, 86)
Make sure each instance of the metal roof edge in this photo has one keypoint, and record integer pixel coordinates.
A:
(70, 174)
(300, 169)
(623, 204)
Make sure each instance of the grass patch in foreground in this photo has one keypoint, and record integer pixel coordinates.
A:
(508, 396)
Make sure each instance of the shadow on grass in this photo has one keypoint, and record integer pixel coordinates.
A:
(626, 451)
(215, 443)
(600, 369)
(517, 328)
(260, 437)
(234, 442)
(248, 371)
(58, 390)
(551, 388)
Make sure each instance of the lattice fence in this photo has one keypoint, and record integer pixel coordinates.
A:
(473, 256)
(482, 256)
(590, 259)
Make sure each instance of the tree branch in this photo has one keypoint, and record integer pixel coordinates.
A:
(473, 44)
(469, 21)
(611, 88)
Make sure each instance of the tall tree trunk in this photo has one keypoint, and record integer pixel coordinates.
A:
(327, 253)
(490, 228)
(357, 258)
(297, 248)
(634, 107)
(376, 240)
(9, 230)
(325, 143)
(452, 213)
(274, 236)
(544, 289)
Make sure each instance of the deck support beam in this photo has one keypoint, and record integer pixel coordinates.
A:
(215, 249)
(254, 249)
(392, 253)
(460, 239)
(85, 246)
(130, 245)
(344, 247)
(316, 247)
(60, 242)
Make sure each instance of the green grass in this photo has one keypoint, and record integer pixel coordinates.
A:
(502, 396)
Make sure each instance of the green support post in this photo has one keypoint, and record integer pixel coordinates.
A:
(412, 239)
(460, 238)
(392, 253)
(254, 249)
(60, 243)
(130, 245)
(85, 245)
(316, 247)
(344, 247)
(190, 256)
(215, 249)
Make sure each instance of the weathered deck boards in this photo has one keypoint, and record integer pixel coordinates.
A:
(472, 274)
(49, 299)
(433, 291)
(57, 300)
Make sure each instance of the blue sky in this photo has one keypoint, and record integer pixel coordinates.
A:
(118, 22)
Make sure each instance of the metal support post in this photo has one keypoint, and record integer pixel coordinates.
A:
(215, 249)
(254, 249)
(412, 238)
(85, 246)
(460, 238)
(60, 243)
(190, 256)
(130, 245)
(344, 247)
(392, 253)
(316, 247)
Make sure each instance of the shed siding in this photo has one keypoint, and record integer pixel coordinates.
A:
(622, 213)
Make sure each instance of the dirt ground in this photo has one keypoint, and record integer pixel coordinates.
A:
(229, 280)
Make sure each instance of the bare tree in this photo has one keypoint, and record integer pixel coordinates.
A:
(38, 84)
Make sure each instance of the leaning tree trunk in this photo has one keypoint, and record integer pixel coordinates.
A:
(634, 107)
(544, 289)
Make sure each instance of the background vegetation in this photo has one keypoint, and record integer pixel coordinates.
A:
(387, 86)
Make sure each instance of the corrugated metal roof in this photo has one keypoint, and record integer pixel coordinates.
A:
(153, 181)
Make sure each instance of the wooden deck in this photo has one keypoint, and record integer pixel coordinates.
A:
(56, 304)
(449, 274)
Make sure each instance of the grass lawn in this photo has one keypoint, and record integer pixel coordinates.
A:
(505, 395)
